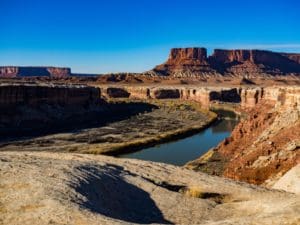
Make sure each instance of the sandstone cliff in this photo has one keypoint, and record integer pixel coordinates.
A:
(189, 61)
(245, 96)
(26, 108)
(21, 71)
(193, 62)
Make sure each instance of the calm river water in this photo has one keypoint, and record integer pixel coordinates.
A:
(181, 151)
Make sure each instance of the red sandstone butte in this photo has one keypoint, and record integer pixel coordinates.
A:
(193, 60)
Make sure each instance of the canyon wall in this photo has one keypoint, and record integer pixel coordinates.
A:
(245, 96)
(25, 109)
(19, 71)
(265, 145)
(34, 95)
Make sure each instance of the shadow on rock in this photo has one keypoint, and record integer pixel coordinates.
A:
(23, 122)
(105, 191)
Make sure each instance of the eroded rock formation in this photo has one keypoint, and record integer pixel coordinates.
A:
(193, 62)
(185, 60)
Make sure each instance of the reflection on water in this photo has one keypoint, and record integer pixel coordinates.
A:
(224, 126)
(181, 151)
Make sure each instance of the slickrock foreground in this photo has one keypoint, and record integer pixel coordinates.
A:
(58, 188)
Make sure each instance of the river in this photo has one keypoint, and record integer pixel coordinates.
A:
(184, 150)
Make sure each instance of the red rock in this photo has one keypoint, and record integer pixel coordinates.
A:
(266, 61)
(193, 62)
(183, 61)
(181, 55)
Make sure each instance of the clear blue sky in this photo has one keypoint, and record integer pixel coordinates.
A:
(97, 36)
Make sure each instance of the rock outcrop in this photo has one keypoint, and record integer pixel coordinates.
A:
(189, 61)
(67, 188)
(22, 71)
(193, 62)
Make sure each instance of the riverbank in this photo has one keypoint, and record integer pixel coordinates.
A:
(179, 152)
(169, 120)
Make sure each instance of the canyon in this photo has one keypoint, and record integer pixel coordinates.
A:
(50, 118)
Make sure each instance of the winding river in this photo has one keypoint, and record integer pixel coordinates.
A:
(184, 150)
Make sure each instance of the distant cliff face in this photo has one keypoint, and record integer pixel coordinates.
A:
(16, 71)
(181, 55)
(186, 62)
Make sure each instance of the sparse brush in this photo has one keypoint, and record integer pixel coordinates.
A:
(194, 191)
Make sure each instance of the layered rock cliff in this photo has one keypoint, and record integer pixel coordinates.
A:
(20, 71)
(264, 146)
(26, 108)
(193, 62)
(245, 96)
(189, 61)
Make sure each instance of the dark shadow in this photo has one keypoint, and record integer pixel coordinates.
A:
(107, 193)
(117, 92)
(16, 123)
(231, 95)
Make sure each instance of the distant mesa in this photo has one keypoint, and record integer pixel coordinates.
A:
(191, 62)
(185, 62)
(22, 71)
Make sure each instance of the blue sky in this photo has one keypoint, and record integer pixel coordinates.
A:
(99, 36)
